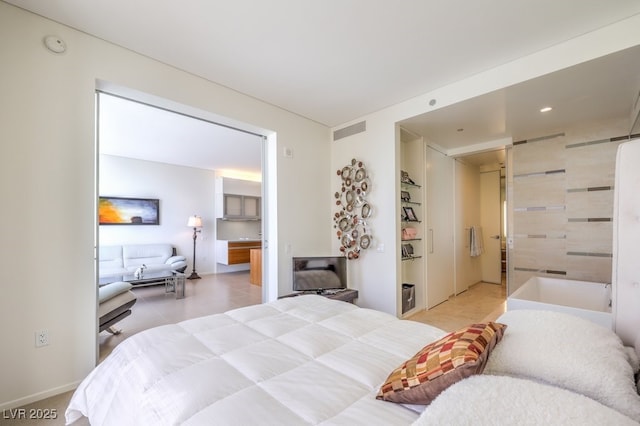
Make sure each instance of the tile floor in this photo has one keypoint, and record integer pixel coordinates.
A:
(219, 293)
(481, 302)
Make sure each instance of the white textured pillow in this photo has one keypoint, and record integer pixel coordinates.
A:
(484, 400)
(569, 352)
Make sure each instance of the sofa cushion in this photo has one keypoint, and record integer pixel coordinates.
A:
(111, 290)
(110, 257)
(114, 306)
(135, 255)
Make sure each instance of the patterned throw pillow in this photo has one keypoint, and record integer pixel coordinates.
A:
(442, 363)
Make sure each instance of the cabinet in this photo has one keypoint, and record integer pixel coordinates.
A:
(240, 207)
(237, 199)
(255, 269)
(439, 226)
(235, 252)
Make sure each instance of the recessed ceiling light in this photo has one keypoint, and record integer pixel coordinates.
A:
(546, 109)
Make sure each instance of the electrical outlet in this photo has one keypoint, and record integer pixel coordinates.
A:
(42, 338)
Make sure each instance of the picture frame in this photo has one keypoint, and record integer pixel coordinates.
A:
(409, 214)
(405, 195)
(128, 211)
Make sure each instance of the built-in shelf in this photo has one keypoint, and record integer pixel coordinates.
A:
(411, 258)
(412, 213)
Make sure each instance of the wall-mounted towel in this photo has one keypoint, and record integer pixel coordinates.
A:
(475, 241)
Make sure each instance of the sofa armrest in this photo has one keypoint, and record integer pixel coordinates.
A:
(174, 259)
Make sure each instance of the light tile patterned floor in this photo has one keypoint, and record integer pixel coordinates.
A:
(481, 302)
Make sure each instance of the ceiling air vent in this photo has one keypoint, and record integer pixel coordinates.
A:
(350, 130)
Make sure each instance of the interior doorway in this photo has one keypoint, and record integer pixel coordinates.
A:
(168, 149)
(491, 173)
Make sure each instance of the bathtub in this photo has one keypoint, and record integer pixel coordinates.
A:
(588, 300)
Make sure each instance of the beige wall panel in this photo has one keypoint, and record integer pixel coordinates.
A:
(535, 157)
(540, 253)
(591, 237)
(551, 223)
(589, 268)
(518, 278)
(536, 191)
(587, 166)
(591, 165)
(596, 130)
(592, 204)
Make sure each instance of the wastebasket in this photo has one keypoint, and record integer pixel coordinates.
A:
(408, 297)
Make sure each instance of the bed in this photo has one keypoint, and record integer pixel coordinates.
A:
(309, 360)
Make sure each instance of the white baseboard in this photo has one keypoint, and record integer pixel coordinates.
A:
(38, 396)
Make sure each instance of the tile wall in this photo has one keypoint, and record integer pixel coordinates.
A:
(562, 200)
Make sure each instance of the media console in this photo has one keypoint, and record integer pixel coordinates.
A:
(346, 295)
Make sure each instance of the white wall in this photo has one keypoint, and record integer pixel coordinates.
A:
(182, 191)
(374, 274)
(378, 146)
(47, 178)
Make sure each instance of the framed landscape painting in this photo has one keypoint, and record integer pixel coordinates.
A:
(128, 211)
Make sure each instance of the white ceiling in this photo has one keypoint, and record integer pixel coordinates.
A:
(601, 89)
(335, 60)
(134, 130)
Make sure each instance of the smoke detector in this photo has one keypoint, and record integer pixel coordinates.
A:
(55, 44)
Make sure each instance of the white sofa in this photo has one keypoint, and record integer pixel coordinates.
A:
(125, 259)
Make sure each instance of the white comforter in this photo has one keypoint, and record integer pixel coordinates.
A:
(300, 360)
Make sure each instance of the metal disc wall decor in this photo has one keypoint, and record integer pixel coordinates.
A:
(353, 209)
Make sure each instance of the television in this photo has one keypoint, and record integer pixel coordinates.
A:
(319, 274)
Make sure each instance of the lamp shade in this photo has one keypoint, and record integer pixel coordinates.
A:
(194, 221)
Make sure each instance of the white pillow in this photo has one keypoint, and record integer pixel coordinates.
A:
(485, 400)
(569, 352)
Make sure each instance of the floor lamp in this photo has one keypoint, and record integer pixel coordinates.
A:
(194, 222)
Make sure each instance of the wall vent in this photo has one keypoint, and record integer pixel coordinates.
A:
(350, 130)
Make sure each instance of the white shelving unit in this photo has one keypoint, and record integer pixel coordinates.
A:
(411, 288)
